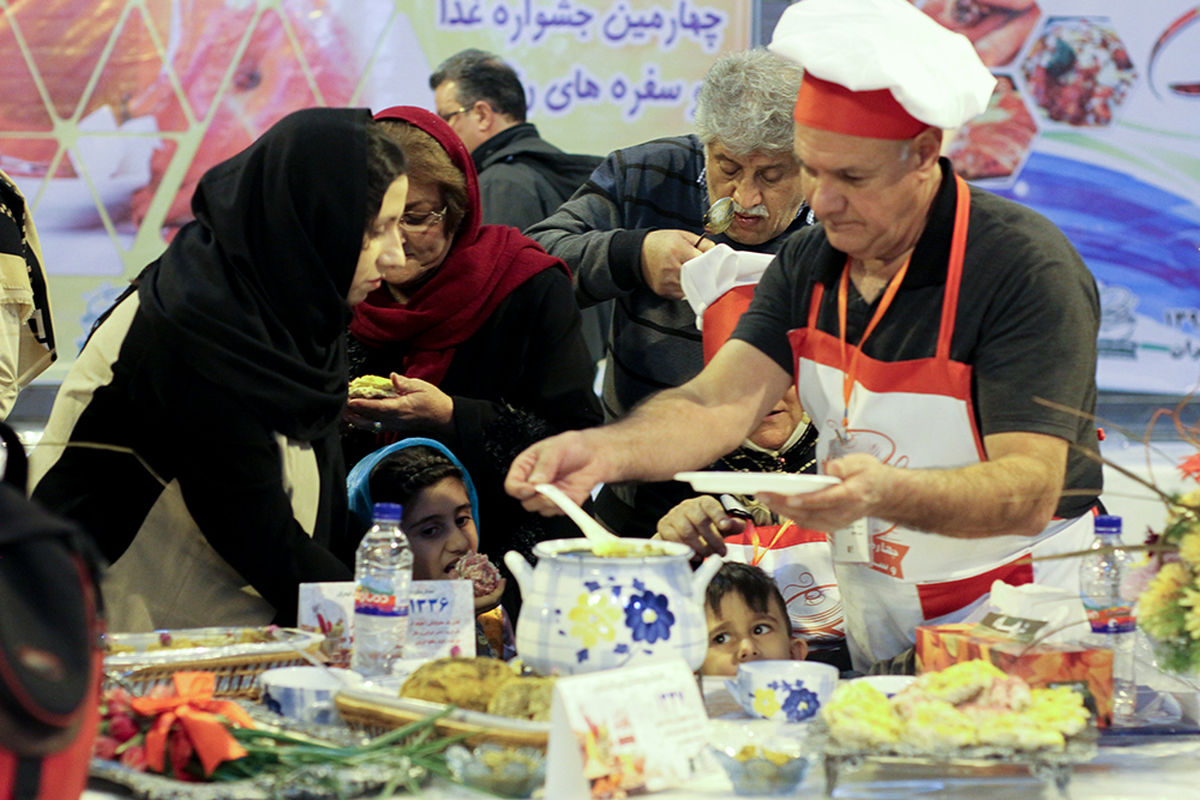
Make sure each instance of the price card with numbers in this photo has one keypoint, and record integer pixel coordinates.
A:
(441, 620)
(624, 732)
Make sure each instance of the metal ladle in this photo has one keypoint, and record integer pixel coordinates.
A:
(717, 219)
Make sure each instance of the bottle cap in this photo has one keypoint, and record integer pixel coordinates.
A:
(1107, 524)
(388, 511)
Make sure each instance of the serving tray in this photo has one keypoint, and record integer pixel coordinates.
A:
(374, 712)
(1050, 766)
(141, 663)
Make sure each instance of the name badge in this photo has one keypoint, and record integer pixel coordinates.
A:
(852, 544)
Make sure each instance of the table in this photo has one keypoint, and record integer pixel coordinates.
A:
(1166, 768)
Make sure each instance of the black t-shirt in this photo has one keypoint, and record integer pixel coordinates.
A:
(1027, 320)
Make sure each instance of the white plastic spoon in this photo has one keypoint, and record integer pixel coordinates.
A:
(601, 538)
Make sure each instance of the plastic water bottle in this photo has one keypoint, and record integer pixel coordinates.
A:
(382, 577)
(1110, 613)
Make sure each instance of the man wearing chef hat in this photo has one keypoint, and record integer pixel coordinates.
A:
(942, 339)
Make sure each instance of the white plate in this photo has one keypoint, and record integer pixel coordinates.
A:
(755, 482)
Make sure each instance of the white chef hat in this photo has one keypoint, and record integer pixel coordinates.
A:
(880, 68)
(719, 286)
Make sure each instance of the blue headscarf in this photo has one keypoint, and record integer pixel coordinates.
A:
(358, 482)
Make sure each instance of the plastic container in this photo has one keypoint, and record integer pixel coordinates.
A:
(1111, 614)
(382, 578)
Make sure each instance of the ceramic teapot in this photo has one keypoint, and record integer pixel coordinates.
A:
(581, 612)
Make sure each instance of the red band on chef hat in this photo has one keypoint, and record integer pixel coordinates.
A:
(722, 316)
(874, 114)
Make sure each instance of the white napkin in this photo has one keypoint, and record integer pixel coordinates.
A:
(706, 277)
(1062, 611)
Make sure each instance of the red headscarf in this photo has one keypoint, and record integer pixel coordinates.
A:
(485, 263)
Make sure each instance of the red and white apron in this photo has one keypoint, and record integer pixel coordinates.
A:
(915, 414)
(800, 561)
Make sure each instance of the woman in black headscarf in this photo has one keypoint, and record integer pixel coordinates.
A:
(200, 420)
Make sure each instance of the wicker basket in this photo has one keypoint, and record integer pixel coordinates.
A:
(374, 715)
(237, 666)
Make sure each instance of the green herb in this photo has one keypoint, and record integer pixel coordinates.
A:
(406, 755)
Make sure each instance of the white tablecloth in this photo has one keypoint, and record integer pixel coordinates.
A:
(1166, 768)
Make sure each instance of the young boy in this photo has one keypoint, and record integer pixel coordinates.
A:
(747, 620)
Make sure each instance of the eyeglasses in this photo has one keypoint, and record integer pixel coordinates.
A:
(449, 115)
(420, 221)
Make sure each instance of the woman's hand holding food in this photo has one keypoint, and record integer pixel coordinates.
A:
(414, 405)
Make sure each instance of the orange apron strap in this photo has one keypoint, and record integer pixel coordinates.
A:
(814, 305)
(958, 248)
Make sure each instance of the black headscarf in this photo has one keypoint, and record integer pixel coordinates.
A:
(252, 294)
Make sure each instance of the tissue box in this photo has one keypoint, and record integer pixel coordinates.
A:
(939, 646)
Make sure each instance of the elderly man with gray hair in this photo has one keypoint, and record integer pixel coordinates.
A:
(626, 232)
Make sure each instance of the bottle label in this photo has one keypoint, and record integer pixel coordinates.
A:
(377, 604)
(1110, 619)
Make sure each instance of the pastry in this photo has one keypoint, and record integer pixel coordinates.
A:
(372, 387)
(524, 698)
(464, 682)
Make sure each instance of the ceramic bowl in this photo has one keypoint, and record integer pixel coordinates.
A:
(305, 693)
(786, 690)
(506, 771)
(761, 757)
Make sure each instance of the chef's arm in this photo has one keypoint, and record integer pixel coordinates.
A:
(682, 428)
(1015, 491)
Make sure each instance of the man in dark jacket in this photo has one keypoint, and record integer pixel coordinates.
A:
(522, 177)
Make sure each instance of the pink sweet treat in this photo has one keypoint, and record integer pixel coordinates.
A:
(476, 568)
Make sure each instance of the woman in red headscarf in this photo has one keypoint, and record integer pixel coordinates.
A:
(479, 333)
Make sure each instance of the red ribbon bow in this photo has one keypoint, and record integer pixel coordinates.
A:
(196, 710)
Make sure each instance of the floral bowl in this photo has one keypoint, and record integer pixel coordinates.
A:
(506, 771)
(761, 757)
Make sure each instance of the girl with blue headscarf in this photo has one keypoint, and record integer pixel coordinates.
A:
(440, 519)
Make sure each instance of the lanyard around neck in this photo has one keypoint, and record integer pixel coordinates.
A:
(851, 370)
(759, 551)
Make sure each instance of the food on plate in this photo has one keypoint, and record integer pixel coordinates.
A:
(482, 684)
(938, 725)
(115, 644)
(506, 771)
(461, 681)
(993, 144)
(482, 573)
(1078, 72)
(956, 684)
(524, 698)
(372, 387)
(859, 716)
(968, 704)
(755, 769)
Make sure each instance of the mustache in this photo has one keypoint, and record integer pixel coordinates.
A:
(759, 210)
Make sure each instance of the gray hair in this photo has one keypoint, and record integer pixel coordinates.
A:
(746, 102)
